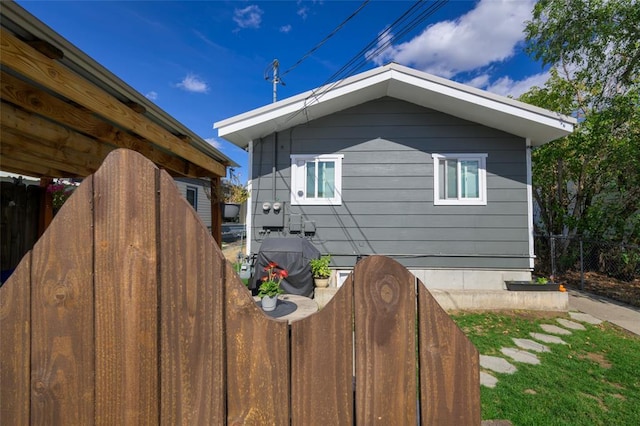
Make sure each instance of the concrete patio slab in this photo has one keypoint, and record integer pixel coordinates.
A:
(547, 338)
(521, 356)
(570, 324)
(531, 345)
(497, 364)
(554, 329)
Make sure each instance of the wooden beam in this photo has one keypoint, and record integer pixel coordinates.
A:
(14, 153)
(65, 155)
(37, 101)
(38, 128)
(22, 58)
(29, 169)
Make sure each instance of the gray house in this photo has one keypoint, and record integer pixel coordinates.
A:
(394, 161)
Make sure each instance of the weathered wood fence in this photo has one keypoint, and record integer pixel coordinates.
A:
(125, 312)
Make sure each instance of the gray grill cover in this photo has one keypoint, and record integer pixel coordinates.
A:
(292, 254)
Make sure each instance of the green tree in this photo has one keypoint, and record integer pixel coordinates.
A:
(589, 182)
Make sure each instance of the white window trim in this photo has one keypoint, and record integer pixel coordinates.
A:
(482, 180)
(298, 180)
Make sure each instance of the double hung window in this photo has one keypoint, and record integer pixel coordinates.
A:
(459, 179)
(316, 179)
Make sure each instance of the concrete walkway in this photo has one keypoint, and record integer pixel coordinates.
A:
(625, 316)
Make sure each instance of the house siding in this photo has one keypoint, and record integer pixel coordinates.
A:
(203, 204)
(387, 189)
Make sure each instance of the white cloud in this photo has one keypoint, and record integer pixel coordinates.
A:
(215, 143)
(152, 95)
(488, 33)
(479, 81)
(303, 12)
(249, 17)
(193, 83)
(285, 28)
(507, 87)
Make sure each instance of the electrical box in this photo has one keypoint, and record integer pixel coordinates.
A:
(295, 223)
(272, 215)
(309, 226)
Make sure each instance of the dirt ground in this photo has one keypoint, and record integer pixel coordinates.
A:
(603, 285)
(231, 250)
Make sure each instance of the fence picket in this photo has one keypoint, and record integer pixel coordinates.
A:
(322, 363)
(62, 298)
(15, 345)
(385, 350)
(191, 312)
(449, 367)
(126, 300)
(257, 360)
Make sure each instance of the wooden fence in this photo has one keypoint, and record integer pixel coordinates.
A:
(125, 312)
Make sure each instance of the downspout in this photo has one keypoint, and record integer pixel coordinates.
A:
(274, 167)
(530, 203)
(248, 219)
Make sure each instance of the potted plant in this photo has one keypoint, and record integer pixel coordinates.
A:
(537, 284)
(60, 191)
(320, 270)
(270, 288)
(233, 195)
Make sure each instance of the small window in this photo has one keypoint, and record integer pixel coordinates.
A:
(459, 179)
(192, 196)
(316, 179)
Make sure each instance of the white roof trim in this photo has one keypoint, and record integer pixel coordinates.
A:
(397, 81)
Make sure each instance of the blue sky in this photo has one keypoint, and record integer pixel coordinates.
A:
(205, 61)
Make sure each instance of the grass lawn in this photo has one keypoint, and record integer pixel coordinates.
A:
(593, 380)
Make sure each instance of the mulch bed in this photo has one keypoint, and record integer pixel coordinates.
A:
(603, 285)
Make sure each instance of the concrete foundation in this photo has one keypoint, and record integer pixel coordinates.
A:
(467, 300)
(473, 290)
(469, 279)
(451, 300)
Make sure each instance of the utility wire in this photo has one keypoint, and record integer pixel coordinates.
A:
(369, 52)
(331, 34)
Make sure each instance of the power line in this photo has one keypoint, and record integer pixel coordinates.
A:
(366, 54)
(324, 40)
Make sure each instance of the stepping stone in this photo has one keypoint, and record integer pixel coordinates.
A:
(531, 345)
(521, 356)
(487, 380)
(548, 338)
(579, 316)
(497, 364)
(554, 329)
(570, 324)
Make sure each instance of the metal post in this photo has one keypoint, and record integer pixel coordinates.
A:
(553, 255)
(581, 267)
(276, 64)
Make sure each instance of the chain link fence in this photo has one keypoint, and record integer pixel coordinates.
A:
(601, 267)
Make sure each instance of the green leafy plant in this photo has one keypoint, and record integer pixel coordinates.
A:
(542, 280)
(320, 267)
(233, 192)
(271, 282)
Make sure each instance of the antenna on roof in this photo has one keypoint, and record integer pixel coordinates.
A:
(271, 73)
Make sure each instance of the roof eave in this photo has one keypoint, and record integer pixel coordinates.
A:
(536, 124)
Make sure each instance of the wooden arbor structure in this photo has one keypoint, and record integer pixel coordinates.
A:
(62, 113)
